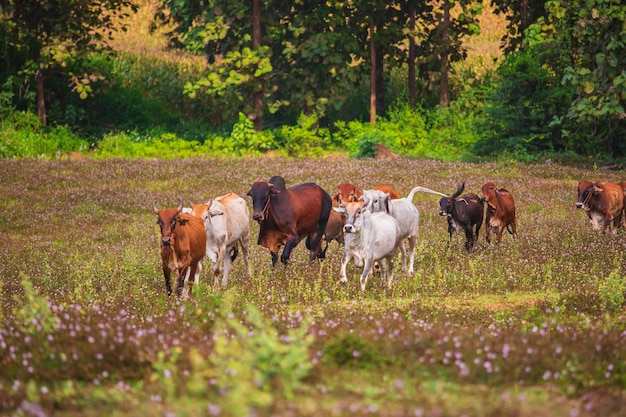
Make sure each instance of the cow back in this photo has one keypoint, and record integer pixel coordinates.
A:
(190, 236)
(469, 207)
(236, 214)
(393, 194)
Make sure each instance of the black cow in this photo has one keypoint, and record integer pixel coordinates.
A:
(464, 213)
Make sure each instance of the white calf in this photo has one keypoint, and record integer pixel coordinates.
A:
(368, 237)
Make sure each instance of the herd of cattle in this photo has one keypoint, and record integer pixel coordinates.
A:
(371, 224)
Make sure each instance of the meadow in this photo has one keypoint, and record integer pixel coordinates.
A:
(533, 327)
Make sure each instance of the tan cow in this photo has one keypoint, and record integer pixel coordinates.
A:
(227, 227)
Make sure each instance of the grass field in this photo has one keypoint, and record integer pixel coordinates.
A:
(533, 327)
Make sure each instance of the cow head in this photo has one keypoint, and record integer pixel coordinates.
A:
(446, 204)
(489, 191)
(586, 190)
(346, 193)
(353, 213)
(376, 201)
(167, 221)
(261, 193)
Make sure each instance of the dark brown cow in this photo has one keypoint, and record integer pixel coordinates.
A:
(183, 244)
(464, 213)
(334, 231)
(603, 203)
(287, 216)
(347, 193)
(500, 211)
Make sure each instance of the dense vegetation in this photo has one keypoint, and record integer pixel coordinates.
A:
(203, 77)
(534, 327)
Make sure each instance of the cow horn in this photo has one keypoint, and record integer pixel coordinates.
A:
(154, 207)
(180, 204)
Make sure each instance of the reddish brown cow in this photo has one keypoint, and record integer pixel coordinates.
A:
(603, 203)
(347, 193)
(183, 244)
(500, 211)
(287, 216)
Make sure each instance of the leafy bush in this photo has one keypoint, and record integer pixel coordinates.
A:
(22, 136)
(304, 139)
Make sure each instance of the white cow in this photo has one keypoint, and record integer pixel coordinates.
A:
(368, 237)
(407, 215)
(227, 225)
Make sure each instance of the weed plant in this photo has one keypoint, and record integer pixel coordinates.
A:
(528, 327)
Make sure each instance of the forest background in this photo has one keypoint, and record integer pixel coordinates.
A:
(450, 80)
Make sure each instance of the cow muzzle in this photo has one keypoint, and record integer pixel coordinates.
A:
(580, 205)
(442, 213)
(258, 217)
(166, 241)
(348, 228)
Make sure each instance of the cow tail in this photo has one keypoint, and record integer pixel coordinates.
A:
(508, 229)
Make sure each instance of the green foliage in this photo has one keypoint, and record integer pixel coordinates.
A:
(254, 361)
(351, 350)
(522, 106)
(611, 292)
(134, 145)
(21, 136)
(304, 139)
(34, 314)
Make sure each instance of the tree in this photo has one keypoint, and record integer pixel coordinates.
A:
(450, 22)
(56, 33)
(275, 56)
(520, 15)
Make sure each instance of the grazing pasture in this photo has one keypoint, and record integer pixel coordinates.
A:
(531, 327)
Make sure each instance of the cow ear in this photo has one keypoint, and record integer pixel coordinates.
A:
(182, 221)
(213, 213)
(340, 209)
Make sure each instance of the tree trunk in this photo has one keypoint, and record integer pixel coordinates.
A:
(41, 100)
(373, 71)
(444, 99)
(411, 62)
(257, 100)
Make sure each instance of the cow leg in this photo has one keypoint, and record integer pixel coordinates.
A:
(217, 265)
(469, 238)
(227, 264)
(365, 273)
(180, 281)
(342, 274)
(245, 248)
(168, 284)
(403, 252)
(274, 258)
(412, 242)
(289, 245)
(388, 271)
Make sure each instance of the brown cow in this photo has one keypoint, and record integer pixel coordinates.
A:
(183, 242)
(287, 216)
(500, 211)
(347, 193)
(603, 203)
(334, 231)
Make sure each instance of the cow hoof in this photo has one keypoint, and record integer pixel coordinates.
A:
(343, 282)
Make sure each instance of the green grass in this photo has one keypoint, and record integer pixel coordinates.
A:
(530, 328)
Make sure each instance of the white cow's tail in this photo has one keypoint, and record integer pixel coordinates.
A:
(426, 190)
